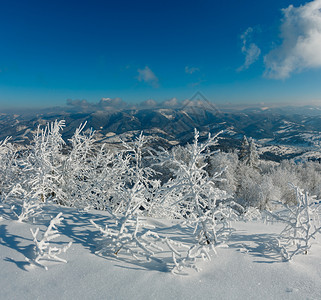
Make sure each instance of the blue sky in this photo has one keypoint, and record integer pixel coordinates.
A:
(232, 51)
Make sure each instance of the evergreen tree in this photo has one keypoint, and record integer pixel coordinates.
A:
(248, 153)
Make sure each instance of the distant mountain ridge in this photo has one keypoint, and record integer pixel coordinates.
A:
(286, 126)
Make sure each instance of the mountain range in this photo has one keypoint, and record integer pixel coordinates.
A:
(280, 132)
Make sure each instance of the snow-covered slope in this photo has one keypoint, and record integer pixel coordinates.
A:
(247, 269)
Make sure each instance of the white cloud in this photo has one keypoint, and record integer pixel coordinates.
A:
(171, 102)
(112, 102)
(191, 70)
(251, 51)
(149, 103)
(301, 46)
(148, 76)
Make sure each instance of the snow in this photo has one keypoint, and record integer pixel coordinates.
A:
(167, 113)
(247, 269)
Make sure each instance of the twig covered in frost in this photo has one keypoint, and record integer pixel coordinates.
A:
(43, 250)
(29, 209)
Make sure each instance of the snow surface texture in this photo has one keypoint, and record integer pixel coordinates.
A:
(247, 269)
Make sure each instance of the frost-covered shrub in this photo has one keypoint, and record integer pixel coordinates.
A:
(8, 167)
(254, 189)
(135, 195)
(29, 208)
(43, 249)
(226, 162)
(75, 189)
(281, 176)
(302, 224)
(127, 232)
(92, 176)
(41, 166)
(257, 187)
(192, 194)
(138, 240)
(106, 178)
(304, 173)
(37, 172)
(166, 170)
(308, 174)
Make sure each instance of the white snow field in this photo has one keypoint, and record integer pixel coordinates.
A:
(247, 269)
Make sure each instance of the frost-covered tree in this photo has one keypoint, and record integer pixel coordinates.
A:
(244, 148)
(248, 153)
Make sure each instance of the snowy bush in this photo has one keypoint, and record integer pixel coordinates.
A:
(28, 209)
(302, 224)
(139, 241)
(92, 176)
(41, 165)
(196, 190)
(39, 172)
(192, 195)
(281, 176)
(106, 178)
(256, 190)
(308, 175)
(139, 187)
(43, 249)
(228, 162)
(129, 200)
(75, 188)
(8, 167)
